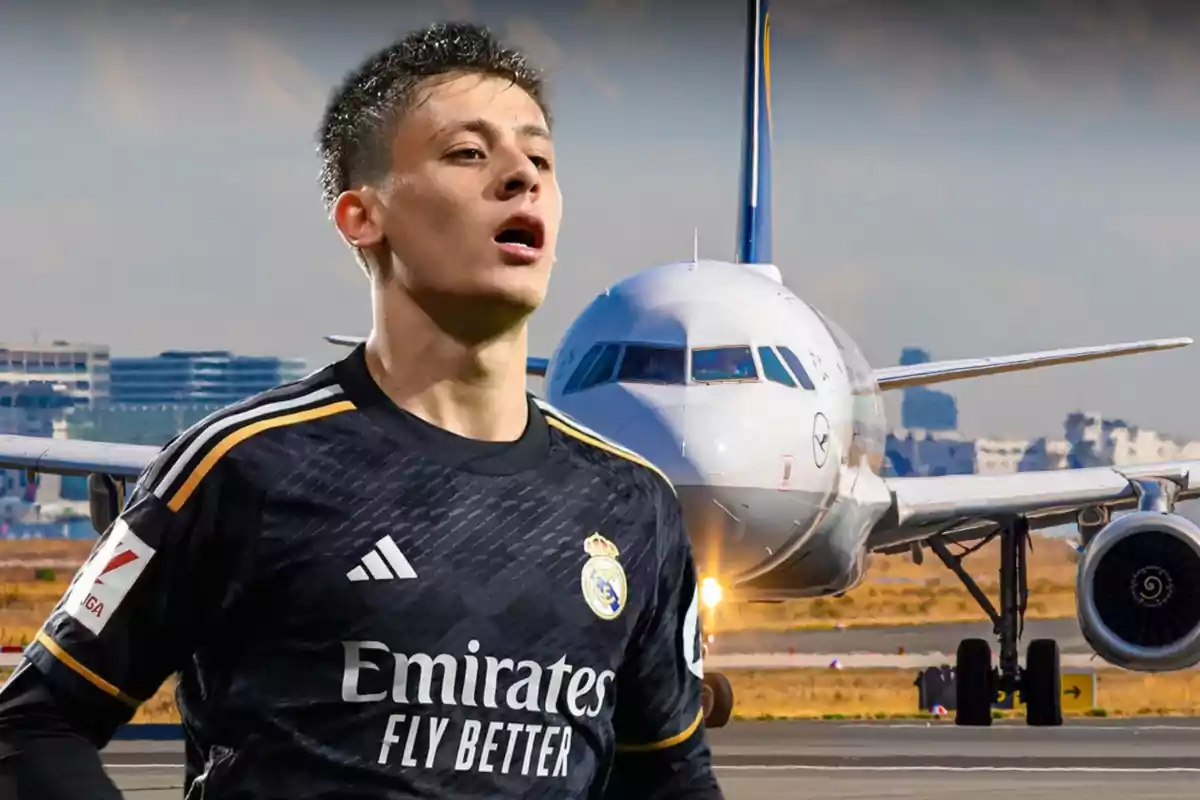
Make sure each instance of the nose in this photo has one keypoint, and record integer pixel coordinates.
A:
(521, 178)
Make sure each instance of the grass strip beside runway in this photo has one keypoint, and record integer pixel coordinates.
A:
(891, 693)
(35, 573)
(869, 694)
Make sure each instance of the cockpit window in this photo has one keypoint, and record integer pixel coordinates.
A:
(646, 364)
(773, 369)
(581, 369)
(797, 367)
(712, 364)
(594, 368)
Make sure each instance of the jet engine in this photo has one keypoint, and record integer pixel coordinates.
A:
(1138, 592)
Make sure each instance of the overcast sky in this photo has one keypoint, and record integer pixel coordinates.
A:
(946, 177)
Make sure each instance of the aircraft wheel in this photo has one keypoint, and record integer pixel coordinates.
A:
(1041, 684)
(717, 699)
(974, 692)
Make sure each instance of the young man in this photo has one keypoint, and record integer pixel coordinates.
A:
(401, 576)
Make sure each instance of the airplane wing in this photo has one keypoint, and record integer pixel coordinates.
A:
(942, 371)
(963, 507)
(74, 457)
(533, 366)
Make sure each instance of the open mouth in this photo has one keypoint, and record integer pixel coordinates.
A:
(523, 230)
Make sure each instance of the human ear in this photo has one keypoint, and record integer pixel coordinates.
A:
(352, 214)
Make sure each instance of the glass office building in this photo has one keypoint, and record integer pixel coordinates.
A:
(79, 370)
(197, 377)
(153, 425)
(144, 400)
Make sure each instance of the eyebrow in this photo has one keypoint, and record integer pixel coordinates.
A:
(489, 129)
(534, 130)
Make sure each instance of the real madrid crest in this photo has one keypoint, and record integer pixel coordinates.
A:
(603, 578)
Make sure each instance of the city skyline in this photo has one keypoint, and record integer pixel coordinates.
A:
(923, 411)
(973, 184)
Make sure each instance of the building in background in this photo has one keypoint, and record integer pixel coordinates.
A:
(928, 442)
(198, 377)
(79, 370)
(922, 407)
(35, 407)
(138, 423)
(80, 392)
(154, 398)
(929, 453)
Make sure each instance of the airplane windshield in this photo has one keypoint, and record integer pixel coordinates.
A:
(594, 368)
(712, 364)
(797, 367)
(646, 364)
(773, 369)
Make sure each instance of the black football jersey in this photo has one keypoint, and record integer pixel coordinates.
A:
(361, 604)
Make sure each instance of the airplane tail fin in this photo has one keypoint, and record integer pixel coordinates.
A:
(754, 237)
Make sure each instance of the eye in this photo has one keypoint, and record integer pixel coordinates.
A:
(467, 154)
(541, 162)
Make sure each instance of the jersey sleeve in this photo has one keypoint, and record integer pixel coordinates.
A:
(661, 745)
(148, 592)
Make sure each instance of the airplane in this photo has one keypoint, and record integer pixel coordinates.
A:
(768, 421)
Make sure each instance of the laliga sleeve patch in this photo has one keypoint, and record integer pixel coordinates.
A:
(107, 577)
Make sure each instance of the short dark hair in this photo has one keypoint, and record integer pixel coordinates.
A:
(361, 117)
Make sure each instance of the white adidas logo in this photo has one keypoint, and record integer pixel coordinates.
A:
(375, 564)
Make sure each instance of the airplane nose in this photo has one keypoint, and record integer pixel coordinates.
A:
(659, 433)
(720, 447)
(694, 444)
(710, 457)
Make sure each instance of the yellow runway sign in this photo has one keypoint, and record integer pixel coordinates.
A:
(1078, 690)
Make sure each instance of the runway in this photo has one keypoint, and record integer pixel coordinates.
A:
(908, 647)
(1109, 760)
(912, 647)
(940, 638)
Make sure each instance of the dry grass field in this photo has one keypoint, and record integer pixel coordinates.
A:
(865, 693)
(896, 591)
(899, 592)
(870, 694)
(33, 576)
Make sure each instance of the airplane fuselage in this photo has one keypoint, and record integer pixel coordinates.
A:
(762, 413)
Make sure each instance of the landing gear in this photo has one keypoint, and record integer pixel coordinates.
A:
(978, 683)
(974, 682)
(717, 698)
(716, 693)
(1041, 688)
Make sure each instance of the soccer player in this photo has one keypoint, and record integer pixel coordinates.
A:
(401, 576)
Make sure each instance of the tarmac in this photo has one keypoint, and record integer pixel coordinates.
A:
(914, 647)
(939, 638)
(1150, 759)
